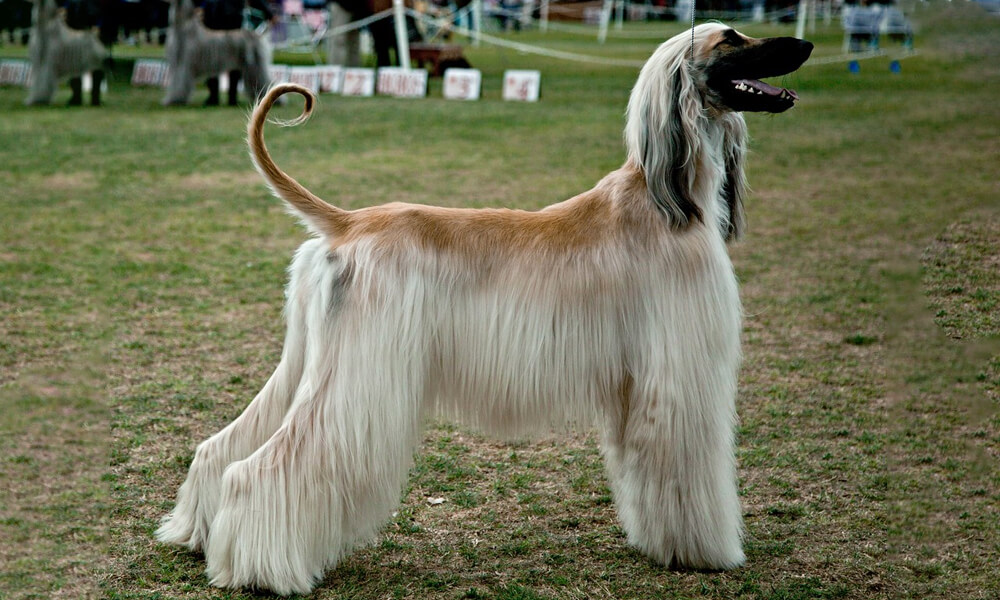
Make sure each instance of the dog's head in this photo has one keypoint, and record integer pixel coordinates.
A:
(684, 118)
(731, 65)
(44, 11)
(182, 11)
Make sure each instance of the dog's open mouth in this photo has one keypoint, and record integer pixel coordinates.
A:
(735, 75)
(764, 94)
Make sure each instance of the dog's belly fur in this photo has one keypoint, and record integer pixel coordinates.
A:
(220, 51)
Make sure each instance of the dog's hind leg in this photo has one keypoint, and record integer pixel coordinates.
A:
(334, 471)
(76, 85)
(198, 497)
(212, 83)
(321, 486)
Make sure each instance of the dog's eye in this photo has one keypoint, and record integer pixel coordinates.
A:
(731, 38)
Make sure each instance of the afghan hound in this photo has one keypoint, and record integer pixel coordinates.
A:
(195, 52)
(617, 308)
(57, 52)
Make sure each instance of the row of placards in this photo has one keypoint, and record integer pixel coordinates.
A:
(18, 72)
(459, 84)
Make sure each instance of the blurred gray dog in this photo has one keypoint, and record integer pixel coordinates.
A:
(195, 52)
(57, 52)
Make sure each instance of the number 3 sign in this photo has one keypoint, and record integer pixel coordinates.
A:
(358, 82)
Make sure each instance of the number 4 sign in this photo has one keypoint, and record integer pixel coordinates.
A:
(521, 85)
(358, 82)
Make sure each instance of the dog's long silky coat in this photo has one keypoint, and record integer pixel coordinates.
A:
(617, 307)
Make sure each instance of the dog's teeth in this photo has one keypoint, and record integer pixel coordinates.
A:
(760, 93)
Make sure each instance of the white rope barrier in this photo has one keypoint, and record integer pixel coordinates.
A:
(848, 57)
(449, 21)
(528, 49)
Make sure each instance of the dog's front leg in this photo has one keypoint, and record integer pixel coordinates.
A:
(43, 85)
(670, 446)
(181, 85)
(673, 473)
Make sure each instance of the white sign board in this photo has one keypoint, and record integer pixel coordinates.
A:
(15, 72)
(402, 83)
(521, 85)
(462, 84)
(331, 77)
(147, 72)
(358, 82)
(279, 73)
(307, 77)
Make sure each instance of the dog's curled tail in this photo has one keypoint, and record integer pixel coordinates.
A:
(318, 215)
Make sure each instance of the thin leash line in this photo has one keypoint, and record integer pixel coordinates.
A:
(694, 5)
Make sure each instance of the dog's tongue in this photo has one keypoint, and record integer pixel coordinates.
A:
(762, 87)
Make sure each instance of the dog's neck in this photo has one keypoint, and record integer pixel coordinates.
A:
(707, 185)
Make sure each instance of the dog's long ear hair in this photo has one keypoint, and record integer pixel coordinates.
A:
(663, 129)
(734, 186)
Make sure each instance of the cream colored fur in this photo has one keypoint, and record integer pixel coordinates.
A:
(617, 308)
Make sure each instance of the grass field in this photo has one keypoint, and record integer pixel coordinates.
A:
(141, 272)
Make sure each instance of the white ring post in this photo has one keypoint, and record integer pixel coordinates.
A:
(619, 14)
(402, 40)
(477, 21)
(800, 22)
(602, 32)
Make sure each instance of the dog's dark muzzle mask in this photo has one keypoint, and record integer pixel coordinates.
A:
(737, 64)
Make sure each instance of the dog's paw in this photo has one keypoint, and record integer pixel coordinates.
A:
(248, 548)
(179, 529)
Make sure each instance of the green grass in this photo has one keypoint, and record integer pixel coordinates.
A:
(141, 271)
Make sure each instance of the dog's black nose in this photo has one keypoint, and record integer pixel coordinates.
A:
(806, 48)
